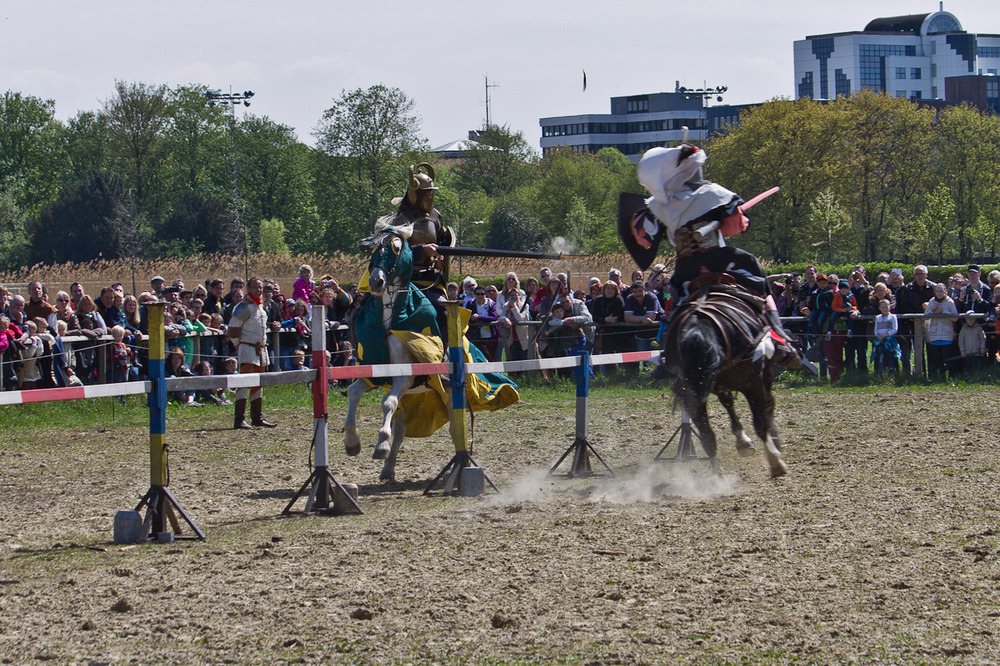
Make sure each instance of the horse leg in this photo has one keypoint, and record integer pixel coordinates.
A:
(398, 433)
(698, 410)
(744, 445)
(762, 406)
(352, 443)
(389, 405)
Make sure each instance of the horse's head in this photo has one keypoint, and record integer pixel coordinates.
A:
(391, 259)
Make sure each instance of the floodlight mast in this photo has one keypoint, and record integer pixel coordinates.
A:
(232, 100)
(705, 92)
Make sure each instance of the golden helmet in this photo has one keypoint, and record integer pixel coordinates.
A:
(420, 181)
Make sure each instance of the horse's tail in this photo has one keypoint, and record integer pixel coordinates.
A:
(701, 356)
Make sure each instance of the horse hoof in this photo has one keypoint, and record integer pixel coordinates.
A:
(381, 453)
(780, 469)
(352, 449)
(744, 447)
(386, 477)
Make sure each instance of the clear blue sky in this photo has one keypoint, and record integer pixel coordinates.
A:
(298, 55)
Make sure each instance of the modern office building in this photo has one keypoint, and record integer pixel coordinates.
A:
(636, 124)
(904, 56)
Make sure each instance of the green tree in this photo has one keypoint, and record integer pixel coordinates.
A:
(885, 146)
(568, 177)
(275, 182)
(499, 162)
(198, 143)
(936, 229)
(87, 145)
(80, 224)
(196, 223)
(792, 144)
(13, 238)
(513, 227)
(30, 149)
(832, 228)
(137, 117)
(968, 152)
(272, 237)
(369, 137)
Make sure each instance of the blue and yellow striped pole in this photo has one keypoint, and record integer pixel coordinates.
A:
(157, 400)
(160, 504)
(460, 433)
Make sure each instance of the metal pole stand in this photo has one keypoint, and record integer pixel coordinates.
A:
(685, 445)
(457, 465)
(161, 505)
(581, 446)
(321, 482)
(462, 459)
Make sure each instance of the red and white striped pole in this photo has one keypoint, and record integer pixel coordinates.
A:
(321, 483)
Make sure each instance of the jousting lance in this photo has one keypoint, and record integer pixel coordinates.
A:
(511, 254)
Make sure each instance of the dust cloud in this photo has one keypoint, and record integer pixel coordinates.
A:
(651, 484)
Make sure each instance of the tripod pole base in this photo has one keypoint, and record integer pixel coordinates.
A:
(581, 449)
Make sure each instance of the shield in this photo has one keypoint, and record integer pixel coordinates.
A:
(633, 218)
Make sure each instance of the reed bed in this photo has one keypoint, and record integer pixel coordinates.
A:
(284, 269)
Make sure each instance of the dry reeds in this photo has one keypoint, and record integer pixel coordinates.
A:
(284, 269)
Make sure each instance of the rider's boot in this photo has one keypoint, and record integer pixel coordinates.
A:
(785, 355)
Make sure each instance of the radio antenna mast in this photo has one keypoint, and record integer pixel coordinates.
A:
(488, 85)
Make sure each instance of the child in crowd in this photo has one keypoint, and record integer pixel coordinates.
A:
(561, 338)
(30, 375)
(121, 357)
(842, 305)
(231, 367)
(176, 367)
(885, 350)
(820, 304)
(972, 342)
(305, 285)
(298, 360)
(215, 396)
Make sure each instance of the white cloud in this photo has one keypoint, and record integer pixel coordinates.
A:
(40, 79)
(320, 64)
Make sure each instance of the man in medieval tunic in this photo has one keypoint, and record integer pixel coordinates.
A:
(696, 215)
(248, 330)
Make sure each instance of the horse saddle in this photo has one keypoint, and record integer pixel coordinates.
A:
(735, 312)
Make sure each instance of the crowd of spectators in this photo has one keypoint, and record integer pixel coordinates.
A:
(845, 324)
(34, 352)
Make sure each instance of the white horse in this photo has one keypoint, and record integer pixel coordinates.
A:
(389, 279)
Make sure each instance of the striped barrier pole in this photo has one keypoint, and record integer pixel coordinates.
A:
(321, 482)
(581, 448)
(159, 502)
(462, 460)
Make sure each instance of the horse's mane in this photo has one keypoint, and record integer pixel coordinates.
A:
(385, 230)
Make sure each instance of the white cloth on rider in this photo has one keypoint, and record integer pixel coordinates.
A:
(677, 196)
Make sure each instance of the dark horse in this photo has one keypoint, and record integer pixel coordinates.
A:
(717, 343)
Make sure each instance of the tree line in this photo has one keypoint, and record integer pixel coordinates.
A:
(151, 174)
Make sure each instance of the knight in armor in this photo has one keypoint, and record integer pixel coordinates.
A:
(416, 208)
(696, 215)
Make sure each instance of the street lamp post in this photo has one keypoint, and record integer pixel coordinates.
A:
(232, 100)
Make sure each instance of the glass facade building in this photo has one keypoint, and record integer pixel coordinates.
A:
(906, 56)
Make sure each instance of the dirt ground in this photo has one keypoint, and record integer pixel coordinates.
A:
(880, 545)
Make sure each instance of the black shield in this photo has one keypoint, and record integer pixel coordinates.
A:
(630, 208)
